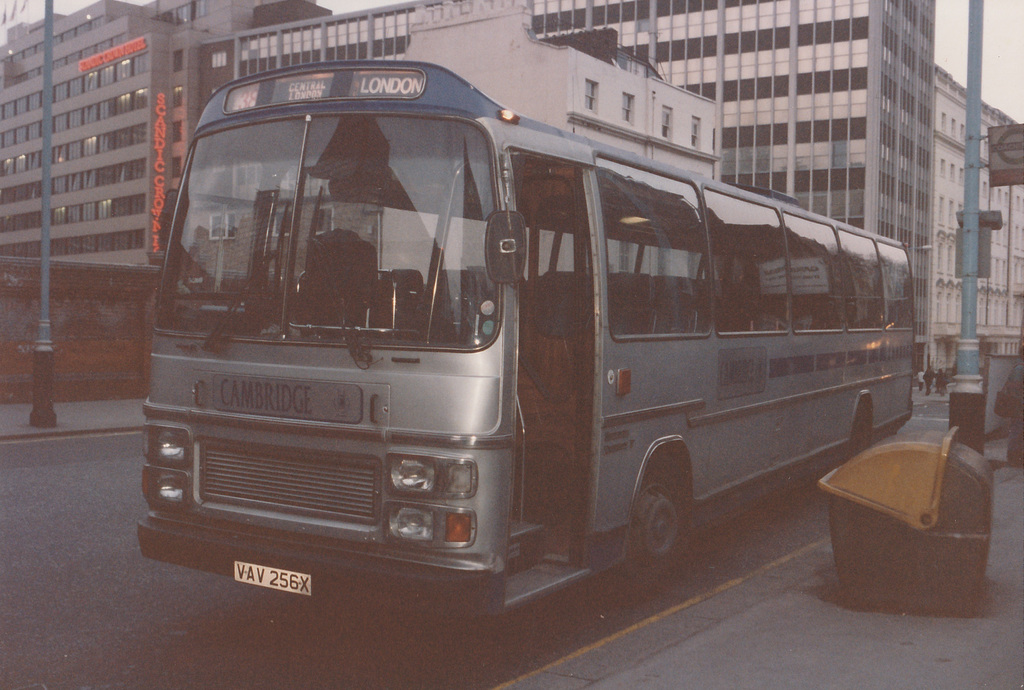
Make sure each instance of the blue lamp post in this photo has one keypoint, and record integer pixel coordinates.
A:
(967, 400)
(42, 414)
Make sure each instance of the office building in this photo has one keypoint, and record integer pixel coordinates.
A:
(125, 96)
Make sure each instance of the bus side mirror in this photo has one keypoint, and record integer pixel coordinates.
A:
(505, 246)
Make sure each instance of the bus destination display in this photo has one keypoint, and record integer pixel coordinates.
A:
(342, 84)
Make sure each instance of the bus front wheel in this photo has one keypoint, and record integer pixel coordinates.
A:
(657, 529)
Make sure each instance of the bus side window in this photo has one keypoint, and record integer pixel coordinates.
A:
(749, 257)
(864, 307)
(896, 285)
(814, 275)
(657, 253)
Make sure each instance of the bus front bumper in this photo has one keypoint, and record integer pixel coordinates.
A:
(332, 570)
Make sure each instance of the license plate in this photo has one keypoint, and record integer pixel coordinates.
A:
(273, 578)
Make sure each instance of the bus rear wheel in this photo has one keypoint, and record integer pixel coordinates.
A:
(657, 529)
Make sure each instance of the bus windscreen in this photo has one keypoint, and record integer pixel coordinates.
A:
(376, 226)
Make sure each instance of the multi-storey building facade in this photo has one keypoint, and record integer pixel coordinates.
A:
(597, 89)
(125, 97)
(586, 83)
(1000, 295)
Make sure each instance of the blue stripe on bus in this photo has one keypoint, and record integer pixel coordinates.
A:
(805, 364)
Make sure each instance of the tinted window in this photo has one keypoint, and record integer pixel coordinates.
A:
(749, 258)
(863, 281)
(896, 285)
(657, 253)
(814, 275)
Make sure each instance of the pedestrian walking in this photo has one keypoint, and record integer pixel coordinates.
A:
(1010, 404)
(929, 377)
(940, 382)
(920, 381)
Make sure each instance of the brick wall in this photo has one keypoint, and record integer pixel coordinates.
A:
(101, 320)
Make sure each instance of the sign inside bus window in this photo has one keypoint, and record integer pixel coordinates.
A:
(344, 84)
(308, 87)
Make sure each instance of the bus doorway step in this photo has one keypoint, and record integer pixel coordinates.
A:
(541, 579)
(525, 545)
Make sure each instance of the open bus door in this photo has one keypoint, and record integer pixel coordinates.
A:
(555, 364)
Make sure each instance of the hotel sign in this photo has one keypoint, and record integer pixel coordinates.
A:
(111, 54)
(159, 167)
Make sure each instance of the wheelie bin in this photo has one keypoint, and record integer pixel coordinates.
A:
(910, 522)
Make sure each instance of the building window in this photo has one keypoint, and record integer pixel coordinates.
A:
(179, 60)
(695, 132)
(627, 107)
(590, 95)
(222, 226)
(178, 96)
(219, 59)
(178, 131)
(666, 122)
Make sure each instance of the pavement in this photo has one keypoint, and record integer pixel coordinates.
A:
(73, 419)
(784, 625)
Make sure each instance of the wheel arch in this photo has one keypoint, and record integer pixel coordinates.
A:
(672, 456)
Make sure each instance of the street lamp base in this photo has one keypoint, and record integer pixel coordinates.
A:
(42, 415)
(967, 411)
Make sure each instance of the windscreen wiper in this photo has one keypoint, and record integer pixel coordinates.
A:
(216, 337)
(355, 338)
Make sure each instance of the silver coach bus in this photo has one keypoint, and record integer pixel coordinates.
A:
(409, 341)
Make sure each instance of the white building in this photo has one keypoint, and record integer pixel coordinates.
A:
(1001, 295)
(618, 100)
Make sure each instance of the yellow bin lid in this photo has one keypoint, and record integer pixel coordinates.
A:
(901, 478)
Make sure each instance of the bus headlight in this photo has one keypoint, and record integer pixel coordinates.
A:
(416, 524)
(165, 488)
(420, 474)
(412, 474)
(169, 446)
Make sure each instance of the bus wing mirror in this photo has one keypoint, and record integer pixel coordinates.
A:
(505, 246)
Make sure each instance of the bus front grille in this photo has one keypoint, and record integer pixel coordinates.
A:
(293, 480)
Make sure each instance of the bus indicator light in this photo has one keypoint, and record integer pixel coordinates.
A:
(458, 527)
(623, 381)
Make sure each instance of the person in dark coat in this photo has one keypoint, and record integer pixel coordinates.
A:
(929, 377)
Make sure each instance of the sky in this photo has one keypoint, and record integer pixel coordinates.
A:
(1002, 58)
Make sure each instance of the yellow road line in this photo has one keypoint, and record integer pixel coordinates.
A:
(667, 612)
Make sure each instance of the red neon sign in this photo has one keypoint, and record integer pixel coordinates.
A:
(111, 54)
(159, 167)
